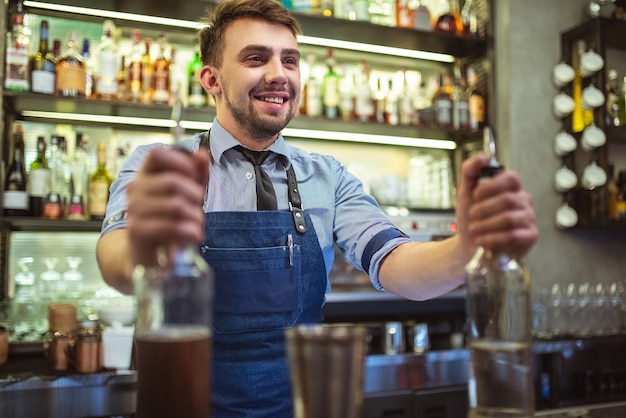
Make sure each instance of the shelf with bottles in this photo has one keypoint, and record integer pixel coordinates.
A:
(384, 68)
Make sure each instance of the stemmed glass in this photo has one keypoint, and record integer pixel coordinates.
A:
(50, 286)
(25, 306)
(72, 278)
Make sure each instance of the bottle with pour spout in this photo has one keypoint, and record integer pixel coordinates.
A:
(173, 333)
(499, 317)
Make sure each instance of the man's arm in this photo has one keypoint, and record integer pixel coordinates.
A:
(497, 214)
(114, 261)
(164, 209)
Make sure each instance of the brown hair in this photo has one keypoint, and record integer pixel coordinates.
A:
(226, 12)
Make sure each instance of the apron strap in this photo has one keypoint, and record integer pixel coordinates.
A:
(295, 202)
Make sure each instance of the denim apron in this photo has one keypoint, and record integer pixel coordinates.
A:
(269, 276)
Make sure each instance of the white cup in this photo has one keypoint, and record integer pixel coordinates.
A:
(590, 63)
(564, 143)
(565, 179)
(592, 138)
(563, 105)
(566, 216)
(562, 74)
(593, 176)
(592, 97)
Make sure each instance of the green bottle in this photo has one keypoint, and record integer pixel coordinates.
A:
(197, 95)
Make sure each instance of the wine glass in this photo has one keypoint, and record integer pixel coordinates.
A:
(25, 306)
(72, 278)
(50, 285)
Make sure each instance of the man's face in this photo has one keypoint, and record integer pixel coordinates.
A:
(259, 79)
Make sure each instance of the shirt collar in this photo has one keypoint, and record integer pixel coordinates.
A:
(221, 141)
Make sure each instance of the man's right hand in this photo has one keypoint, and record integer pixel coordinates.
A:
(165, 203)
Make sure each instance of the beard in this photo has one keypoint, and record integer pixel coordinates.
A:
(261, 127)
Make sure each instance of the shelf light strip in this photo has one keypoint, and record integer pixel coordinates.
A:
(187, 24)
(287, 132)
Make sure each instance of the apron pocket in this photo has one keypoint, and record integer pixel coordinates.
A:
(256, 289)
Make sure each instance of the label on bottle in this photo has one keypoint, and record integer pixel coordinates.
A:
(443, 107)
(71, 79)
(197, 95)
(98, 197)
(15, 199)
(16, 77)
(476, 111)
(331, 92)
(43, 81)
(107, 81)
(39, 183)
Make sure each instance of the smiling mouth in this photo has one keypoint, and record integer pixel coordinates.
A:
(277, 100)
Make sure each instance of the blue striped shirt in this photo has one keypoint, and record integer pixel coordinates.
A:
(341, 211)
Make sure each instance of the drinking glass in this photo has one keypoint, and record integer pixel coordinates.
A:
(72, 278)
(50, 284)
(25, 306)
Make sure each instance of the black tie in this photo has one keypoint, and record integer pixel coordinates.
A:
(265, 195)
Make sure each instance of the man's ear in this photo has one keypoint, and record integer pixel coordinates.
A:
(209, 80)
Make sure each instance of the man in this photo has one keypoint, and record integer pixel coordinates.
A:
(251, 67)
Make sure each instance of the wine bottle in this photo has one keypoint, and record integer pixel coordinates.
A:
(197, 97)
(99, 183)
(15, 183)
(17, 60)
(330, 88)
(42, 65)
(39, 179)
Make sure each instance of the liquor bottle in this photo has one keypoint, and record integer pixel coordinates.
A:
(312, 91)
(107, 54)
(17, 73)
(135, 68)
(476, 102)
(405, 15)
(52, 207)
(621, 104)
(612, 99)
(621, 196)
(197, 96)
(42, 65)
(364, 103)
(460, 103)
(78, 168)
(99, 183)
(90, 71)
(405, 101)
(346, 91)
(39, 179)
(380, 95)
(71, 71)
(611, 194)
(330, 88)
(500, 316)
(392, 112)
(422, 19)
(442, 102)
(162, 75)
(450, 22)
(175, 308)
(15, 182)
(581, 118)
(147, 72)
(123, 91)
(470, 21)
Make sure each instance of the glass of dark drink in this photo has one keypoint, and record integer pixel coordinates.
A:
(173, 338)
